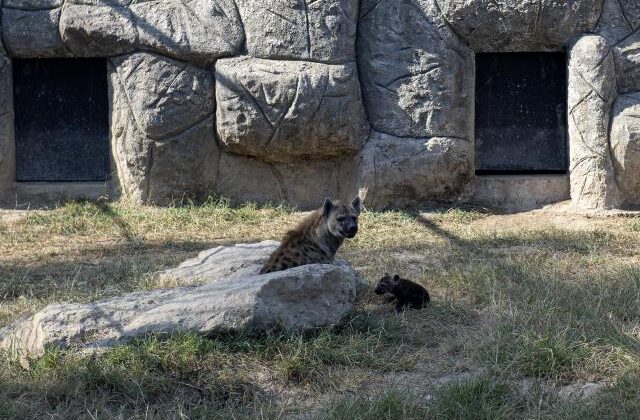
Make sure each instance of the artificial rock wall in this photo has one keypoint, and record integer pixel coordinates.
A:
(294, 100)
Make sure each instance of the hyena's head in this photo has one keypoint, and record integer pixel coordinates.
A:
(386, 284)
(342, 219)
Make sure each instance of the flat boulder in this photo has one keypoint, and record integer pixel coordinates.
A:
(300, 298)
(285, 111)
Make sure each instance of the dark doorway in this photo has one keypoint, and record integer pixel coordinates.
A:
(61, 117)
(521, 113)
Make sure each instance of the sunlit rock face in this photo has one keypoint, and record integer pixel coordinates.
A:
(294, 100)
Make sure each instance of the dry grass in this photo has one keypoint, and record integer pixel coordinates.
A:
(541, 298)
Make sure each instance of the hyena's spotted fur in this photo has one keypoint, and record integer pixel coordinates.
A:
(317, 238)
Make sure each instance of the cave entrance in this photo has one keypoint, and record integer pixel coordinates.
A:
(61, 111)
(521, 111)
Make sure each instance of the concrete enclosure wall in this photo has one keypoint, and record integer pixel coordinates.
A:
(294, 100)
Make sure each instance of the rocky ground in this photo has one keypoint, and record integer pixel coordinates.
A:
(534, 315)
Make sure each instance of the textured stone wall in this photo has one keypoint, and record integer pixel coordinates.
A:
(7, 148)
(604, 73)
(293, 100)
(418, 83)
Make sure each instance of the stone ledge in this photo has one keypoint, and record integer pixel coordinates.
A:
(518, 192)
(38, 194)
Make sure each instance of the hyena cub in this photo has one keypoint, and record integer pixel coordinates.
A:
(317, 238)
(405, 291)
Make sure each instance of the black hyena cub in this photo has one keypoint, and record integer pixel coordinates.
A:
(405, 291)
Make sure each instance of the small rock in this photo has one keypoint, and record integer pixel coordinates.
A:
(580, 391)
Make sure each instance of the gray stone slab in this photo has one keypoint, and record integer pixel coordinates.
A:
(303, 184)
(196, 30)
(592, 90)
(310, 30)
(625, 146)
(282, 111)
(417, 76)
(162, 127)
(28, 33)
(520, 25)
(404, 172)
(613, 25)
(627, 59)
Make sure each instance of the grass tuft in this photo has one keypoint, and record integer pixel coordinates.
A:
(391, 404)
(480, 398)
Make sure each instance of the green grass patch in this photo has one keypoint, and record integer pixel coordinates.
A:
(391, 404)
(481, 398)
(218, 371)
(518, 297)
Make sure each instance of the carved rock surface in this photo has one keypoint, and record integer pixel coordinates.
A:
(31, 29)
(195, 30)
(302, 184)
(520, 25)
(219, 263)
(311, 30)
(163, 128)
(401, 172)
(627, 58)
(613, 24)
(300, 298)
(625, 145)
(417, 77)
(280, 111)
(7, 143)
(592, 89)
(631, 12)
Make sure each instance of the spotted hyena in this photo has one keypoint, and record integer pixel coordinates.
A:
(317, 238)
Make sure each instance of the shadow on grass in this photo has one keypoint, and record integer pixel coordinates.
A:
(196, 370)
(110, 268)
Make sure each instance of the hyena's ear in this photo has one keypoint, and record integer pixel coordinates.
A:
(356, 204)
(327, 207)
(396, 278)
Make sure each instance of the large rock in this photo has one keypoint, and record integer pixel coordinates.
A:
(300, 298)
(222, 262)
(310, 30)
(302, 184)
(417, 77)
(281, 111)
(195, 30)
(625, 145)
(32, 31)
(98, 30)
(402, 172)
(520, 25)
(162, 127)
(592, 89)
